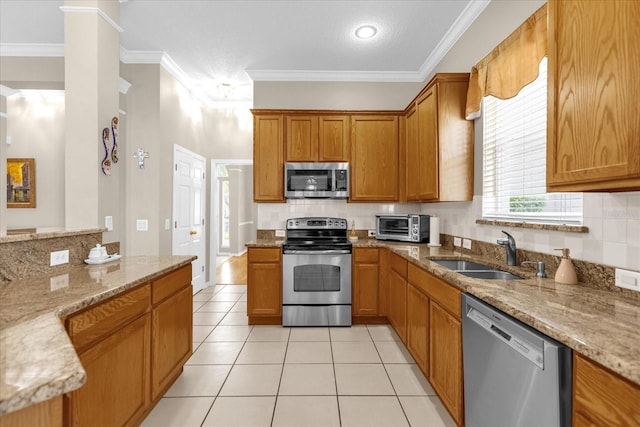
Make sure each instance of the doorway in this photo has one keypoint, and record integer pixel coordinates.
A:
(234, 214)
(189, 201)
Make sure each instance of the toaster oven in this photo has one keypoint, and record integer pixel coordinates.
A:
(402, 227)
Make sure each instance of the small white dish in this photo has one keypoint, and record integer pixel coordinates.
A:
(94, 261)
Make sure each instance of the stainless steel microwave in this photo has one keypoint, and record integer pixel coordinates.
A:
(316, 180)
(402, 227)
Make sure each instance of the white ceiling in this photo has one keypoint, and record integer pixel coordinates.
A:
(210, 43)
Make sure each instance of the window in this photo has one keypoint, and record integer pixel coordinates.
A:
(514, 169)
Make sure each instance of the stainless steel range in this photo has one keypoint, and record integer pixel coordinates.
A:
(316, 273)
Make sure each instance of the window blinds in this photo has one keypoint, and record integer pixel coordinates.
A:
(514, 168)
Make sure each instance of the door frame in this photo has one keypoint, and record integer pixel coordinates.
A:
(214, 207)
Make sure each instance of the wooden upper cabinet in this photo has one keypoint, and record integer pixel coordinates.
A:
(317, 138)
(374, 158)
(268, 158)
(593, 121)
(440, 148)
(412, 162)
(302, 139)
(333, 139)
(427, 149)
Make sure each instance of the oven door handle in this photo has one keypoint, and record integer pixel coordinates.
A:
(321, 252)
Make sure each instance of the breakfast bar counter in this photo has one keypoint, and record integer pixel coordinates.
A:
(37, 358)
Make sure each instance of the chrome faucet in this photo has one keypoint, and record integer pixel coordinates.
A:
(539, 265)
(510, 246)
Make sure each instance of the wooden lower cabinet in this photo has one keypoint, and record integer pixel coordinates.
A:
(602, 398)
(45, 414)
(418, 327)
(171, 339)
(445, 359)
(365, 275)
(264, 286)
(117, 389)
(398, 304)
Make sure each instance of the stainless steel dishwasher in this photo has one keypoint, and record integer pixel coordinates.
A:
(514, 376)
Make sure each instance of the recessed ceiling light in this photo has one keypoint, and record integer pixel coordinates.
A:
(366, 32)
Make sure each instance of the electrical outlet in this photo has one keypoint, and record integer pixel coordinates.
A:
(466, 243)
(280, 233)
(457, 241)
(167, 224)
(628, 279)
(371, 233)
(59, 257)
(142, 225)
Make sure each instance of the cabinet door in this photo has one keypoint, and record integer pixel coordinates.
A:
(268, 158)
(374, 158)
(417, 327)
(602, 398)
(264, 282)
(445, 359)
(398, 304)
(117, 389)
(594, 125)
(302, 139)
(413, 160)
(427, 146)
(365, 282)
(333, 139)
(171, 339)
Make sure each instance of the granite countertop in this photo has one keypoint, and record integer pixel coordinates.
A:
(37, 359)
(598, 324)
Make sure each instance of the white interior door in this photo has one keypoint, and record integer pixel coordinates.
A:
(189, 210)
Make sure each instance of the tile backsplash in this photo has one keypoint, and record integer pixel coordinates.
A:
(613, 220)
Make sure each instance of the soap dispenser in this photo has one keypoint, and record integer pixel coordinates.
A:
(566, 273)
(353, 236)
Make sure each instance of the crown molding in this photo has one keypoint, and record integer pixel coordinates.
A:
(140, 56)
(32, 49)
(462, 24)
(335, 76)
(86, 9)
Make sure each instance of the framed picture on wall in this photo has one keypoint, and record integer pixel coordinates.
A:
(21, 183)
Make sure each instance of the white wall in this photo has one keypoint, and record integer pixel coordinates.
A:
(35, 125)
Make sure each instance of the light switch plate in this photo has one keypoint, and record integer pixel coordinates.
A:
(108, 222)
(628, 279)
(466, 243)
(457, 241)
(167, 224)
(280, 233)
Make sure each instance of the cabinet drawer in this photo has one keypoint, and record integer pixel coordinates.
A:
(418, 277)
(365, 255)
(170, 283)
(106, 317)
(398, 264)
(602, 397)
(444, 294)
(264, 255)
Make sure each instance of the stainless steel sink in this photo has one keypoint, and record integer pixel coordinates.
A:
(491, 275)
(476, 269)
(460, 264)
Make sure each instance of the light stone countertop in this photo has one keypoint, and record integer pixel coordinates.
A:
(598, 324)
(37, 359)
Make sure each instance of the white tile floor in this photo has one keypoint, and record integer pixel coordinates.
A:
(242, 375)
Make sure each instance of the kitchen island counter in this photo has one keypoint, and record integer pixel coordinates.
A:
(37, 358)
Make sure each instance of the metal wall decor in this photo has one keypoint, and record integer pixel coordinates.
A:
(140, 154)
